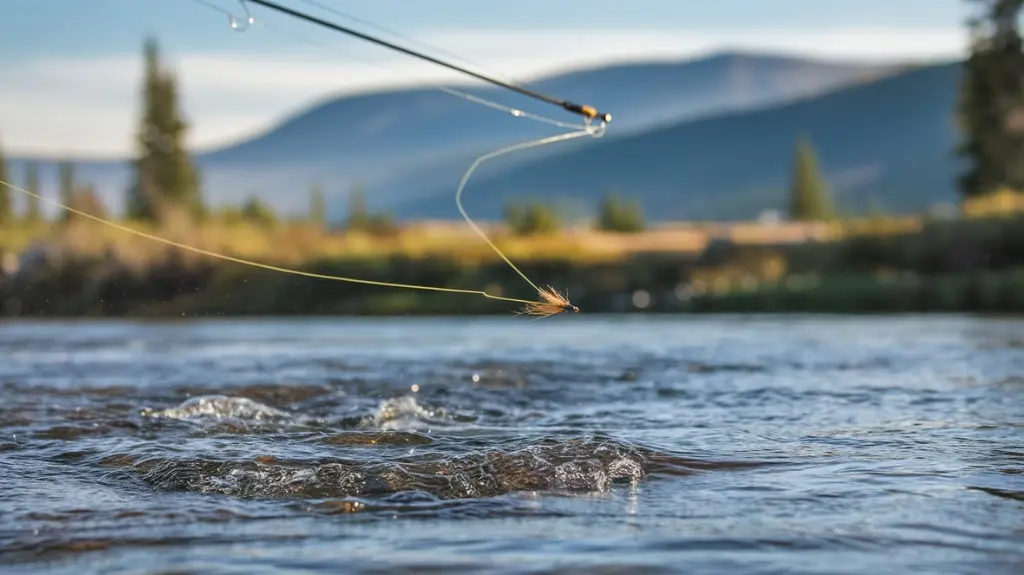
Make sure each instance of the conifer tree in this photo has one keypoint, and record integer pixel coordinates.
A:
(531, 218)
(875, 209)
(317, 205)
(164, 173)
(6, 209)
(33, 212)
(615, 215)
(809, 196)
(66, 186)
(991, 108)
(86, 200)
(358, 216)
(258, 212)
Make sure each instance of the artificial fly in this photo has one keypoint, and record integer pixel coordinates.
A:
(550, 301)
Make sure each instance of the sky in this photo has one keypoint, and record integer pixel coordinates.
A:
(71, 68)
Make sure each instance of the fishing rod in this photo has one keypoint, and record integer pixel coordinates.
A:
(588, 112)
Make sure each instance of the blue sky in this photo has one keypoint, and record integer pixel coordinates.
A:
(71, 67)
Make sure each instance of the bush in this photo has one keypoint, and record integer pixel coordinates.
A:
(615, 215)
(258, 212)
(532, 219)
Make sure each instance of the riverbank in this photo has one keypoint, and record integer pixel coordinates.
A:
(890, 266)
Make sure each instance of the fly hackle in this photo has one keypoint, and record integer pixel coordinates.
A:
(551, 303)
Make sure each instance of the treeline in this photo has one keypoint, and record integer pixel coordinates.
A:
(77, 195)
(809, 200)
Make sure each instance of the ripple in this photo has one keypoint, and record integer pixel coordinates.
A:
(599, 445)
(552, 465)
(218, 407)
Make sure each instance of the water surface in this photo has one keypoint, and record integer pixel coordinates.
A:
(572, 445)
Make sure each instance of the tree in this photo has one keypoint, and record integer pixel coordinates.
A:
(258, 212)
(875, 209)
(991, 107)
(361, 219)
(6, 209)
(86, 200)
(33, 212)
(317, 205)
(532, 218)
(67, 187)
(809, 198)
(357, 216)
(615, 215)
(164, 173)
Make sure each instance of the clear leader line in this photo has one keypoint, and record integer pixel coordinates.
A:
(586, 111)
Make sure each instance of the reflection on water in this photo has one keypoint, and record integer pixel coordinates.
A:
(582, 444)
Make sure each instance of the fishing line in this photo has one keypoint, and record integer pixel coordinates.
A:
(581, 130)
(551, 303)
(409, 39)
(251, 263)
(586, 129)
(581, 109)
(515, 147)
(232, 20)
(250, 21)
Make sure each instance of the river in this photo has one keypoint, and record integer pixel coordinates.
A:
(575, 444)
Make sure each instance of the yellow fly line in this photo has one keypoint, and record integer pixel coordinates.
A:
(246, 262)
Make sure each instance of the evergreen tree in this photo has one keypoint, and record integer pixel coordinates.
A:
(6, 209)
(361, 219)
(874, 207)
(357, 217)
(258, 212)
(67, 187)
(615, 215)
(164, 173)
(33, 212)
(809, 196)
(991, 108)
(514, 216)
(317, 205)
(533, 218)
(86, 200)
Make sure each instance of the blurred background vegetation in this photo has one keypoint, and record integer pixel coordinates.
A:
(811, 257)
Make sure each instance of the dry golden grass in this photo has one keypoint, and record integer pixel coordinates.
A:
(876, 226)
(16, 237)
(294, 243)
(1003, 202)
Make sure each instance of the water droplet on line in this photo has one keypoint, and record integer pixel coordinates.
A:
(233, 22)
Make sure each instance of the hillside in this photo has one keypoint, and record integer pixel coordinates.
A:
(892, 139)
(418, 123)
(386, 139)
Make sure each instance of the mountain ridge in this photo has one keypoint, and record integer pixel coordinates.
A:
(383, 136)
(893, 137)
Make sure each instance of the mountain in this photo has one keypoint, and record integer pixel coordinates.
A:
(420, 123)
(389, 139)
(891, 140)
